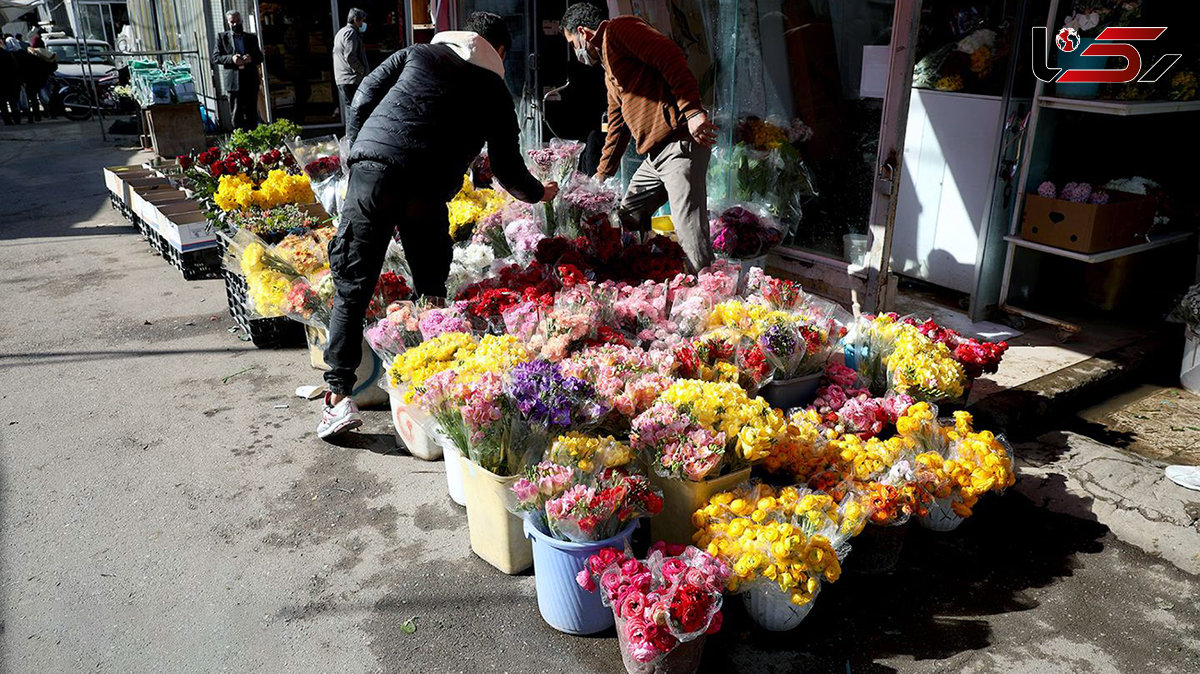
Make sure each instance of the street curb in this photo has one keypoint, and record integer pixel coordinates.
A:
(1026, 411)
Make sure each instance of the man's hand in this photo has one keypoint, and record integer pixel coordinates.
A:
(551, 191)
(239, 59)
(702, 130)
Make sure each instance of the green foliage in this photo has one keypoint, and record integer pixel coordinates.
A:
(265, 137)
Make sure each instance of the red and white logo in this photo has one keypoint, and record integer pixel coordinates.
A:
(1067, 39)
(1113, 41)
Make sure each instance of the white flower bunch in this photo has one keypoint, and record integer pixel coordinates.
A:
(470, 264)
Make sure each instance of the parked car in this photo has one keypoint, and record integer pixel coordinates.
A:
(70, 65)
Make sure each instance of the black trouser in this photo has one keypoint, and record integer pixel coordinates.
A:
(244, 104)
(380, 201)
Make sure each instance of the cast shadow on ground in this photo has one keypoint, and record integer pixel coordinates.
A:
(934, 604)
(376, 443)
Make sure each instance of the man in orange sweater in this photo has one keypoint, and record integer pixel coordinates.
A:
(654, 99)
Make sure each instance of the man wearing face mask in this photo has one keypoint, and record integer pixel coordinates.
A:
(238, 55)
(654, 99)
(416, 123)
(350, 56)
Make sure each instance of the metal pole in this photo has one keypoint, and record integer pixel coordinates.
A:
(81, 50)
(266, 91)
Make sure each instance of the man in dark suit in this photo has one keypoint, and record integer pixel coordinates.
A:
(239, 55)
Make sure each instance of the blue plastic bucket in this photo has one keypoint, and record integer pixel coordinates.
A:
(1073, 61)
(564, 605)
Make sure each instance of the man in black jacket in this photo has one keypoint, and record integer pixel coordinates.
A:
(416, 123)
(238, 55)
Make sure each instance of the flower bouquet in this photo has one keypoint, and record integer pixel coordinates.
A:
(471, 206)
(322, 161)
(242, 192)
(701, 438)
(766, 166)
(780, 544)
(977, 358)
(924, 369)
(397, 331)
(470, 263)
(723, 356)
(583, 197)
(556, 162)
(628, 379)
(956, 465)
(273, 224)
(570, 513)
(663, 606)
(583, 506)
(740, 233)
(579, 311)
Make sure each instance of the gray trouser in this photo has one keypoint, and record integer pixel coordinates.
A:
(677, 173)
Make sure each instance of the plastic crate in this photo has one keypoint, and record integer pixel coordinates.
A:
(265, 333)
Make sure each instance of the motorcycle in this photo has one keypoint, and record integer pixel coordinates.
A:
(72, 97)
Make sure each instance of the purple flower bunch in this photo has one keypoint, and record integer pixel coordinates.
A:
(439, 321)
(1079, 192)
(549, 400)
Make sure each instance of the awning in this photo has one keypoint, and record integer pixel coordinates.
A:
(11, 9)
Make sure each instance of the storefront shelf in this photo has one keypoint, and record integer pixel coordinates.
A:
(1155, 241)
(1119, 108)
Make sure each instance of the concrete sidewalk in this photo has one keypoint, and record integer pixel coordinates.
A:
(158, 512)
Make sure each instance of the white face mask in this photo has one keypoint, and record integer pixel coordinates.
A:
(363, 27)
(584, 56)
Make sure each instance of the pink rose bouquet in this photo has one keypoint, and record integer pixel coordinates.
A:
(674, 596)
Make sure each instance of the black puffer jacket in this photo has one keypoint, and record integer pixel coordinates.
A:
(428, 111)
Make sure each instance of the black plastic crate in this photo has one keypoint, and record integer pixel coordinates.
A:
(265, 333)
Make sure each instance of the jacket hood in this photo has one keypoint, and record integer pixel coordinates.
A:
(472, 48)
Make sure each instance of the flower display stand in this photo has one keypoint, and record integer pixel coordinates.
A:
(681, 499)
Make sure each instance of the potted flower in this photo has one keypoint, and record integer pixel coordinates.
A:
(663, 607)
(572, 512)
(700, 438)
(781, 545)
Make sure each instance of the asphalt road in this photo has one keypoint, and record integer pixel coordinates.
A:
(156, 516)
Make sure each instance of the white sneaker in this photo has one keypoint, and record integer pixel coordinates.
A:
(339, 418)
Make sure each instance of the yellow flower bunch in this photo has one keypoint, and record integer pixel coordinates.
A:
(587, 452)
(268, 288)
(764, 135)
(804, 448)
(493, 353)
(238, 192)
(868, 461)
(975, 463)
(782, 538)
(459, 351)
(417, 364)
(923, 368)
(752, 320)
(725, 407)
(472, 205)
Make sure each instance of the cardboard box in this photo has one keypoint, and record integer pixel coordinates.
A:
(1088, 228)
